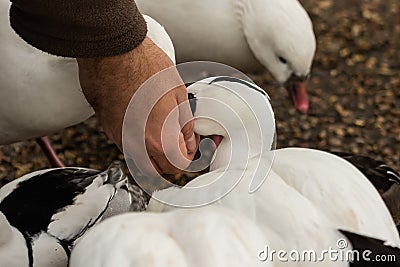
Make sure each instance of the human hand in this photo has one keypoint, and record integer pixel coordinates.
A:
(109, 84)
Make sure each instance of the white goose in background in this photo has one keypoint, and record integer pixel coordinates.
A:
(300, 210)
(246, 34)
(41, 93)
(44, 212)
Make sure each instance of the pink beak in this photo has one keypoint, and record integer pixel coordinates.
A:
(298, 92)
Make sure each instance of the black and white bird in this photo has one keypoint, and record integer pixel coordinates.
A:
(43, 213)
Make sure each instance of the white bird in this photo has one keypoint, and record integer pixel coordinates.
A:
(306, 194)
(247, 34)
(41, 93)
(44, 212)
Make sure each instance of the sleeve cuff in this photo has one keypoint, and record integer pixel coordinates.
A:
(82, 35)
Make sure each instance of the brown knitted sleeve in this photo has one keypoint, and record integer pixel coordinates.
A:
(79, 28)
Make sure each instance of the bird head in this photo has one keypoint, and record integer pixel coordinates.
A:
(280, 35)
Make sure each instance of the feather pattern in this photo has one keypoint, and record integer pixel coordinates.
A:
(50, 209)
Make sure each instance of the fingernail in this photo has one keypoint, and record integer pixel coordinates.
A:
(191, 144)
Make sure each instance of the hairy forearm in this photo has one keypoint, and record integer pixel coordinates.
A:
(101, 77)
(109, 83)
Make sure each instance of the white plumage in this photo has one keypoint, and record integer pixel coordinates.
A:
(208, 236)
(13, 249)
(338, 189)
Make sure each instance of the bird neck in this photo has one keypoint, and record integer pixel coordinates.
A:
(236, 150)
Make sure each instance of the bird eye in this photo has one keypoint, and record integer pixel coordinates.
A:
(281, 59)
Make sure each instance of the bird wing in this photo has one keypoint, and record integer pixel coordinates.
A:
(86, 209)
(338, 189)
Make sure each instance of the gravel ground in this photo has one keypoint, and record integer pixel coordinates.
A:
(354, 94)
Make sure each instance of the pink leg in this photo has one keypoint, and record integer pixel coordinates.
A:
(48, 150)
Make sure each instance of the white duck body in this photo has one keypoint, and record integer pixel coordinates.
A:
(203, 32)
(208, 236)
(41, 93)
(245, 34)
(306, 196)
(44, 212)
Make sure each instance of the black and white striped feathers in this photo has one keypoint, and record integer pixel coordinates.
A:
(379, 173)
(46, 211)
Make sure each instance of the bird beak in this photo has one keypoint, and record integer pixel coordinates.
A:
(297, 88)
(217, 139)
